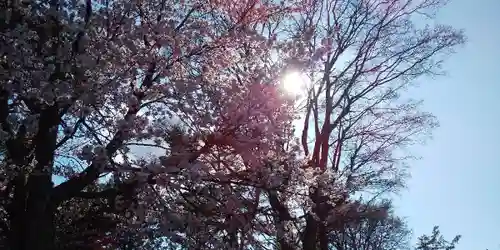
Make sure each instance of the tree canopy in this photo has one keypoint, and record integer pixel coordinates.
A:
(167, 124)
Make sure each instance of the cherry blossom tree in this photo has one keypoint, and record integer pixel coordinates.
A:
(359, 57)
(166, 119)
(83, 83)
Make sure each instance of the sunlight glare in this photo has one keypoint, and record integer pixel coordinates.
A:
(294, 83)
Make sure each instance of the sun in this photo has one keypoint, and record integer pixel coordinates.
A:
(294, 83)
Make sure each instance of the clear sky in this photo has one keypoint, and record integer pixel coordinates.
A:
(457, 183)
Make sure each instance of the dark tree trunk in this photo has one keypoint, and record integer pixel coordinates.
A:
(39, 215)
(32, 215)
(17, 211)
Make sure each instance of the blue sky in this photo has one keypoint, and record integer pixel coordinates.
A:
(457, 183)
